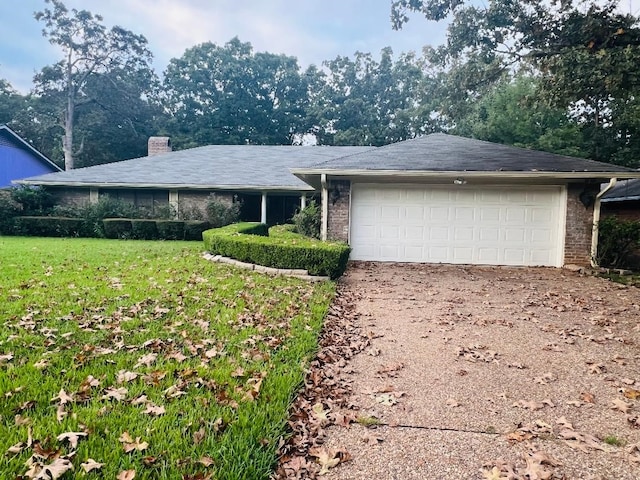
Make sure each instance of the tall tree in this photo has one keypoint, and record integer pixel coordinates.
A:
(366, 102)
(90, 50)
(10, 101)
(586, 53)
(231, 95)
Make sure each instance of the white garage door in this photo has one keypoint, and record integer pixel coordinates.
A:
(491, 225)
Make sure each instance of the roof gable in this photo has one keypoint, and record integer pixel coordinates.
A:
(9, 137)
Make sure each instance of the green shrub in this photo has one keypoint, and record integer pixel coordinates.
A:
(94, 213)
(617, 240)
(193, 229)
(35, 201)
(9, 209)
(118, 227)
(38, 226)
(170, 229)
(220, 213)
(144, 228)
(281, 249)
(307, 221)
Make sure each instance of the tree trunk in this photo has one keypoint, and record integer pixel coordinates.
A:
(67, 140)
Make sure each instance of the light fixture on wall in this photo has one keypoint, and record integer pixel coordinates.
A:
(587, 198)
(460, 181)
(334, 195)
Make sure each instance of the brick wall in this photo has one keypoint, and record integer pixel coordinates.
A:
(339, 199)
(191, 202)
(577, 246)
(70, 197)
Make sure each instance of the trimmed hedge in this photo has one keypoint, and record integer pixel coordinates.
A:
(170, 229)
(193, 229)
(144, 229)
(281, 249)
(38, 226)
(117, 228)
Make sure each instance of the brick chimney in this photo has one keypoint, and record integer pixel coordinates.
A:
(158, 145)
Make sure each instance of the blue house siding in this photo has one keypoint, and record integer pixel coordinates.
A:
(19, 160)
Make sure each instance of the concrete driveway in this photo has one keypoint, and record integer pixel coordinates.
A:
(489, 372)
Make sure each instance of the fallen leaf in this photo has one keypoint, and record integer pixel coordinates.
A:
(631, 393)
(199, 436)
(588, 397)
(155, 410)
(129, 444)
(206, 461)
(17, 448)
(386, 399)
(63, 398)
(146, 360)
(55, 470)
(91, 465)
(621, 405)
(328, 458)
(126, 475)
(320, 413)
(117, 394)
(71, 437)
(126, 376)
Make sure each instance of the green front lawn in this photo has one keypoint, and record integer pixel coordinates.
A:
(164, 363)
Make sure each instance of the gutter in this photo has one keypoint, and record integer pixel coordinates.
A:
(596, 220)
(324, 232)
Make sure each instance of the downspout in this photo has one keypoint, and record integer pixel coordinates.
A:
(596, 220)
(324, 233)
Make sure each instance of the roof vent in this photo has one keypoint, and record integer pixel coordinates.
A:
(158, 145)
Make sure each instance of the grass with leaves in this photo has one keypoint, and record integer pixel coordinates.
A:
(119, 357)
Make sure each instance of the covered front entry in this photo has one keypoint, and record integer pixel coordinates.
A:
(463, 224)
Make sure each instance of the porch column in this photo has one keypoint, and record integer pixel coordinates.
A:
(263, 208)
(174, 201)
(324, 232)
(93, 195)
(303, 202)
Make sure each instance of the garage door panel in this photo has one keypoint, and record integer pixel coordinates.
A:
(461, 224)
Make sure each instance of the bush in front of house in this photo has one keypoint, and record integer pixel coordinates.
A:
(144, 229)
(9, 209)
(39, 226)
(117, 228)
(221, 213)
(308, 220)
(170, 229)
(618, 239)
(35, 201)
(193, 229)
(280, 249)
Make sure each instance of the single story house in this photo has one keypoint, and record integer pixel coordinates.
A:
(257, 176)
(623, 200)
(446, 199)
(437, 198)
(20, 160)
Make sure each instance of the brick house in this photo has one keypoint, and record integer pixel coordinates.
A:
(437, 198)
(256, 176)
(623, 200)
(447, 199)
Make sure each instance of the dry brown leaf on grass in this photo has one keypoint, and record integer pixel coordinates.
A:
(126, 475)
(125, 376)
(53, 471)
(63, 398)
(206, 461)
(155, 410)
(72, 438)
(91, 465)
(146, 360)
(129, 444)
(117, 394)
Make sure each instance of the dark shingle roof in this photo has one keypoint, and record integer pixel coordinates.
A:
(441, 152)
(624, 190)
(214, 166)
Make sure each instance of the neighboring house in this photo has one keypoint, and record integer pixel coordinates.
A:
(256, 176)
(20, 160)
(623, 200)
(446, 199)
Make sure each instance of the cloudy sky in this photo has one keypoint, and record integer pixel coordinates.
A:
(310, 30)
